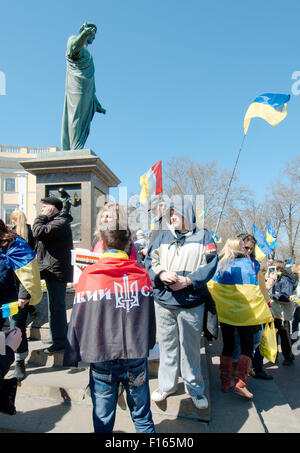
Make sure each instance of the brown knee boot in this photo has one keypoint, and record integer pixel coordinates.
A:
(241, 374)
(226, 373)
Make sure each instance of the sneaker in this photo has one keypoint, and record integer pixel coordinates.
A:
(159, 395)
(200, 402)
(53, 349)
(287, 362)
(20, 371)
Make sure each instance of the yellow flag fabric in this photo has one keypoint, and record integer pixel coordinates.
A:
(145, 191)
(29, 276)
(264, 111)
(239, 305)
(258, 253)
(237, 295)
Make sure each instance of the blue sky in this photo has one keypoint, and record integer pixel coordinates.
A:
(176, 78)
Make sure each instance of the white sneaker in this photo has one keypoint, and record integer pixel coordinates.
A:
(159, 395)
(200, 402)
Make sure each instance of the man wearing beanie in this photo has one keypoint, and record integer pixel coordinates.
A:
(52, 231)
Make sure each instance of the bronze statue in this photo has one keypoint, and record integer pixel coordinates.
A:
(80, 100)
(66, 200)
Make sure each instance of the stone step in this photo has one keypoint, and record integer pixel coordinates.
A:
(37, 357)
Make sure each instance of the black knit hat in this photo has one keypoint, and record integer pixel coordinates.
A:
(54, 201)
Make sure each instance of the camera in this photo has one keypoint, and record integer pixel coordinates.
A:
(272, 269)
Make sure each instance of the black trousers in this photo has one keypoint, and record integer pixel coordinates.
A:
(283, 331)
(246, 339)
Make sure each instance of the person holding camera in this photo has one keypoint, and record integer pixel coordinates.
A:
(283, 310)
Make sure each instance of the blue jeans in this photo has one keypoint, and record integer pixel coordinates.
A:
(57, 315)
(105, 378)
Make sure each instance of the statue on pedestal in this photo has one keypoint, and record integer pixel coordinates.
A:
(66, 200)
(80, 100)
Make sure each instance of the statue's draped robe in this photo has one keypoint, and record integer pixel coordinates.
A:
(80, 99)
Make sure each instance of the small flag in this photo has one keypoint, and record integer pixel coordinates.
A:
(216, 238)
(151, 183)
(262, 248)
(271, 237)
(201, 216)
(269, 106)
(9, 309)
(153, 222)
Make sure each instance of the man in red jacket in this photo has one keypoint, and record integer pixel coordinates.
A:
(112, 327)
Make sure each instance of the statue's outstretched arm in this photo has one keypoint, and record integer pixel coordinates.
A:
(80, 40)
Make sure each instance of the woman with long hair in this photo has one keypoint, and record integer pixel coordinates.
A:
(240, 305)
(109, 213)
(19, 224)
(12, 290)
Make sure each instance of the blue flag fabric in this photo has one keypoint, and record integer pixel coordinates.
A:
(261, 241)
(18, 255)
(271, 237)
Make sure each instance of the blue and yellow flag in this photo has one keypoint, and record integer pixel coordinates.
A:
(22, 259)
(9, 309)
(237, 295)
(271, 237)
(268, 106)
(216, 238)
(262, 248)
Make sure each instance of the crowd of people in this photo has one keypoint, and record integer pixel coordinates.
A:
(166, 288)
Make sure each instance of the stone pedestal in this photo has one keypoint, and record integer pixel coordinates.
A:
(81, 172)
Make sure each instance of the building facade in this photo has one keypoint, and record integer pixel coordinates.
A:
(18, 187)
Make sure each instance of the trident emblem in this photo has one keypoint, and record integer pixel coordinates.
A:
(126, 297)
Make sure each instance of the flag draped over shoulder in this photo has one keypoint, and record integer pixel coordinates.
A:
(151, 182)
(262, 248)
(237, 295)
(269, 106)
(22, 259)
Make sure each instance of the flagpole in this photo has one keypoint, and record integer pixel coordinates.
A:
(225, 199)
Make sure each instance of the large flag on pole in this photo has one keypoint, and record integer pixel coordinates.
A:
(268, 106)
(151, 183)
(262, 248)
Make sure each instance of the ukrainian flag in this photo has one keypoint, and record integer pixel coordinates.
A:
(9, 309)
(262, 248)
(268, 106)
(236, 293)
(22, 259)
(216, 238)
(271, 237)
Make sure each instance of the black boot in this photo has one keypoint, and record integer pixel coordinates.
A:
(20, 372)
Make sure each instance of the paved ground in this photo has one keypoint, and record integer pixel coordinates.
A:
(50, 400)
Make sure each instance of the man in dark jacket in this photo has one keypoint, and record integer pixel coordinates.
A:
(53, 234)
